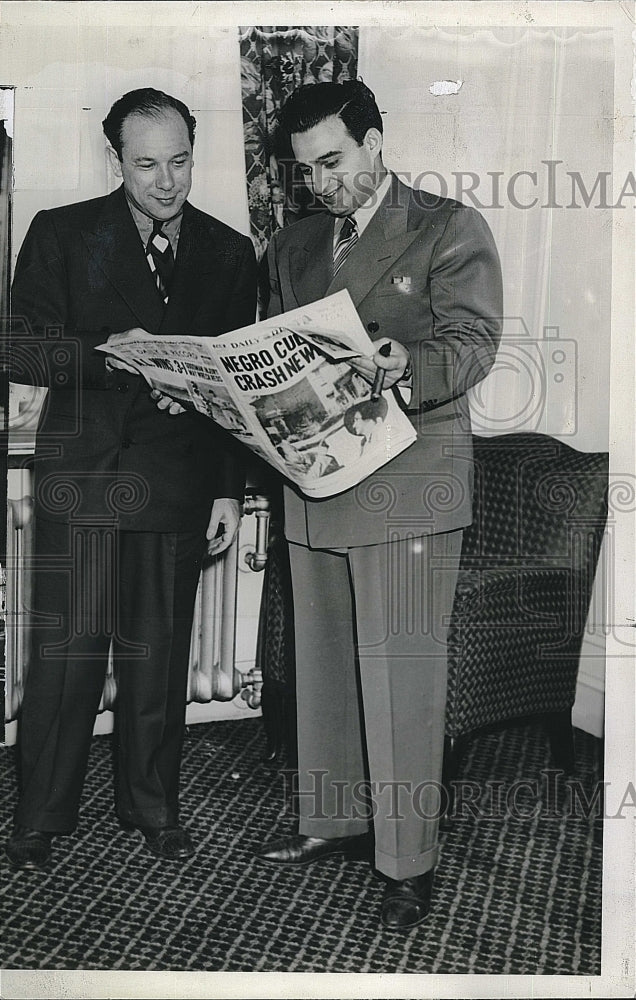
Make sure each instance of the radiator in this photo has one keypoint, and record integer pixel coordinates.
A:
(18, 584)
(213, 672)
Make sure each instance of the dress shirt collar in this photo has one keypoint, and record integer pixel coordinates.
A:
(144, 226)
(365, 212)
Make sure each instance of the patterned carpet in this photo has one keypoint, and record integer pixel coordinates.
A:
(513, 895)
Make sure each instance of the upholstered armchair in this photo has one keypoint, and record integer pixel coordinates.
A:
(524, 588)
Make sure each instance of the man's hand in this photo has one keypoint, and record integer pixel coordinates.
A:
(224, 523)
(167, 403)
(394, 365)
(120, 339)
(117, 340)
(112, 363)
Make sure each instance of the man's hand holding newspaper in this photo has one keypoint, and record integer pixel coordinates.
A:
(120, 340)
(394, 362)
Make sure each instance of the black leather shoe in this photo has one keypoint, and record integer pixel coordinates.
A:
(407, 903)
(299, 850)
(29, 849)
(172, 843)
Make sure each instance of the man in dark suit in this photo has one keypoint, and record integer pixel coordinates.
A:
(128, 485)
(374, 569)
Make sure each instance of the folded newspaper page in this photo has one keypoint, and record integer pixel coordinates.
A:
(284, 388)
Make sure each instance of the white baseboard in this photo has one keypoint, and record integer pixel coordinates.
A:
(588, 712)
(589, 709)
(10, 733)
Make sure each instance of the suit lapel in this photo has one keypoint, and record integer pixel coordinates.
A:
(310, 263)
(115, 247)
(383, 241)
(197, 264)
(185, 277)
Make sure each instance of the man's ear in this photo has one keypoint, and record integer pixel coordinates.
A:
(373, 141)
(113, 159)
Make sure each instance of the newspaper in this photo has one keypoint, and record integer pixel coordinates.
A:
(284, 388)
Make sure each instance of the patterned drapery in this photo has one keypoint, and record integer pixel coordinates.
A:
(5, 257)
(5, 217)
(274, 61)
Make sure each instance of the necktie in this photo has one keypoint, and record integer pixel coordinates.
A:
(346, 241)
(161, 259)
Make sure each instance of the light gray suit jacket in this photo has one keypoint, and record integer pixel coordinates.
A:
(448, 312)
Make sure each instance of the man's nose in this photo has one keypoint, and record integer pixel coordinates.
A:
(164, 178)
(322, 181)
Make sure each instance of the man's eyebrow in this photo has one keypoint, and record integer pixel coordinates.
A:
(151, 159)
(325, 156)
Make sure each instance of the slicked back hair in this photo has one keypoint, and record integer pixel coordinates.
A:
(148, 103)
(312, 103)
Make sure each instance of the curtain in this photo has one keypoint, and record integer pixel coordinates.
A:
(5, 254)
(274, 62)
(531, 122)
(5, 230)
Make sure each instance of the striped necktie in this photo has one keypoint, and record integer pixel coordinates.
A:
(160, 259)
(346, 241)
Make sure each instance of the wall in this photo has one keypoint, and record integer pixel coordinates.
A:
(527, 95)
(73, 73)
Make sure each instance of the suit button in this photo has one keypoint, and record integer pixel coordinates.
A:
(373, 327)
(122, 387)
(126, 443)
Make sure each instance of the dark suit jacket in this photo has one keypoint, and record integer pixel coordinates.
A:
(448, 313)
(102, 446)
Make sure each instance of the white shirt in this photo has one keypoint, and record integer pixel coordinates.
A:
(365, 212)
(144, 224)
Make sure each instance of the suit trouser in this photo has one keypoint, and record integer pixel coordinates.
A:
(94, 585)
(371, 625)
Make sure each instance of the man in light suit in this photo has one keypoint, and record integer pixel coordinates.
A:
(130, 489)
(374, 569)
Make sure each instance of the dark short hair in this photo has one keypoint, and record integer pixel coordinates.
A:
(369, 409)
(146, 102)
(352, 101)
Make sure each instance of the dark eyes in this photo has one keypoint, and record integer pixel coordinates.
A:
(329, 164)
(151, 165)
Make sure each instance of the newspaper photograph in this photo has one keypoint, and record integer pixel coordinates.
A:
(283, 387)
